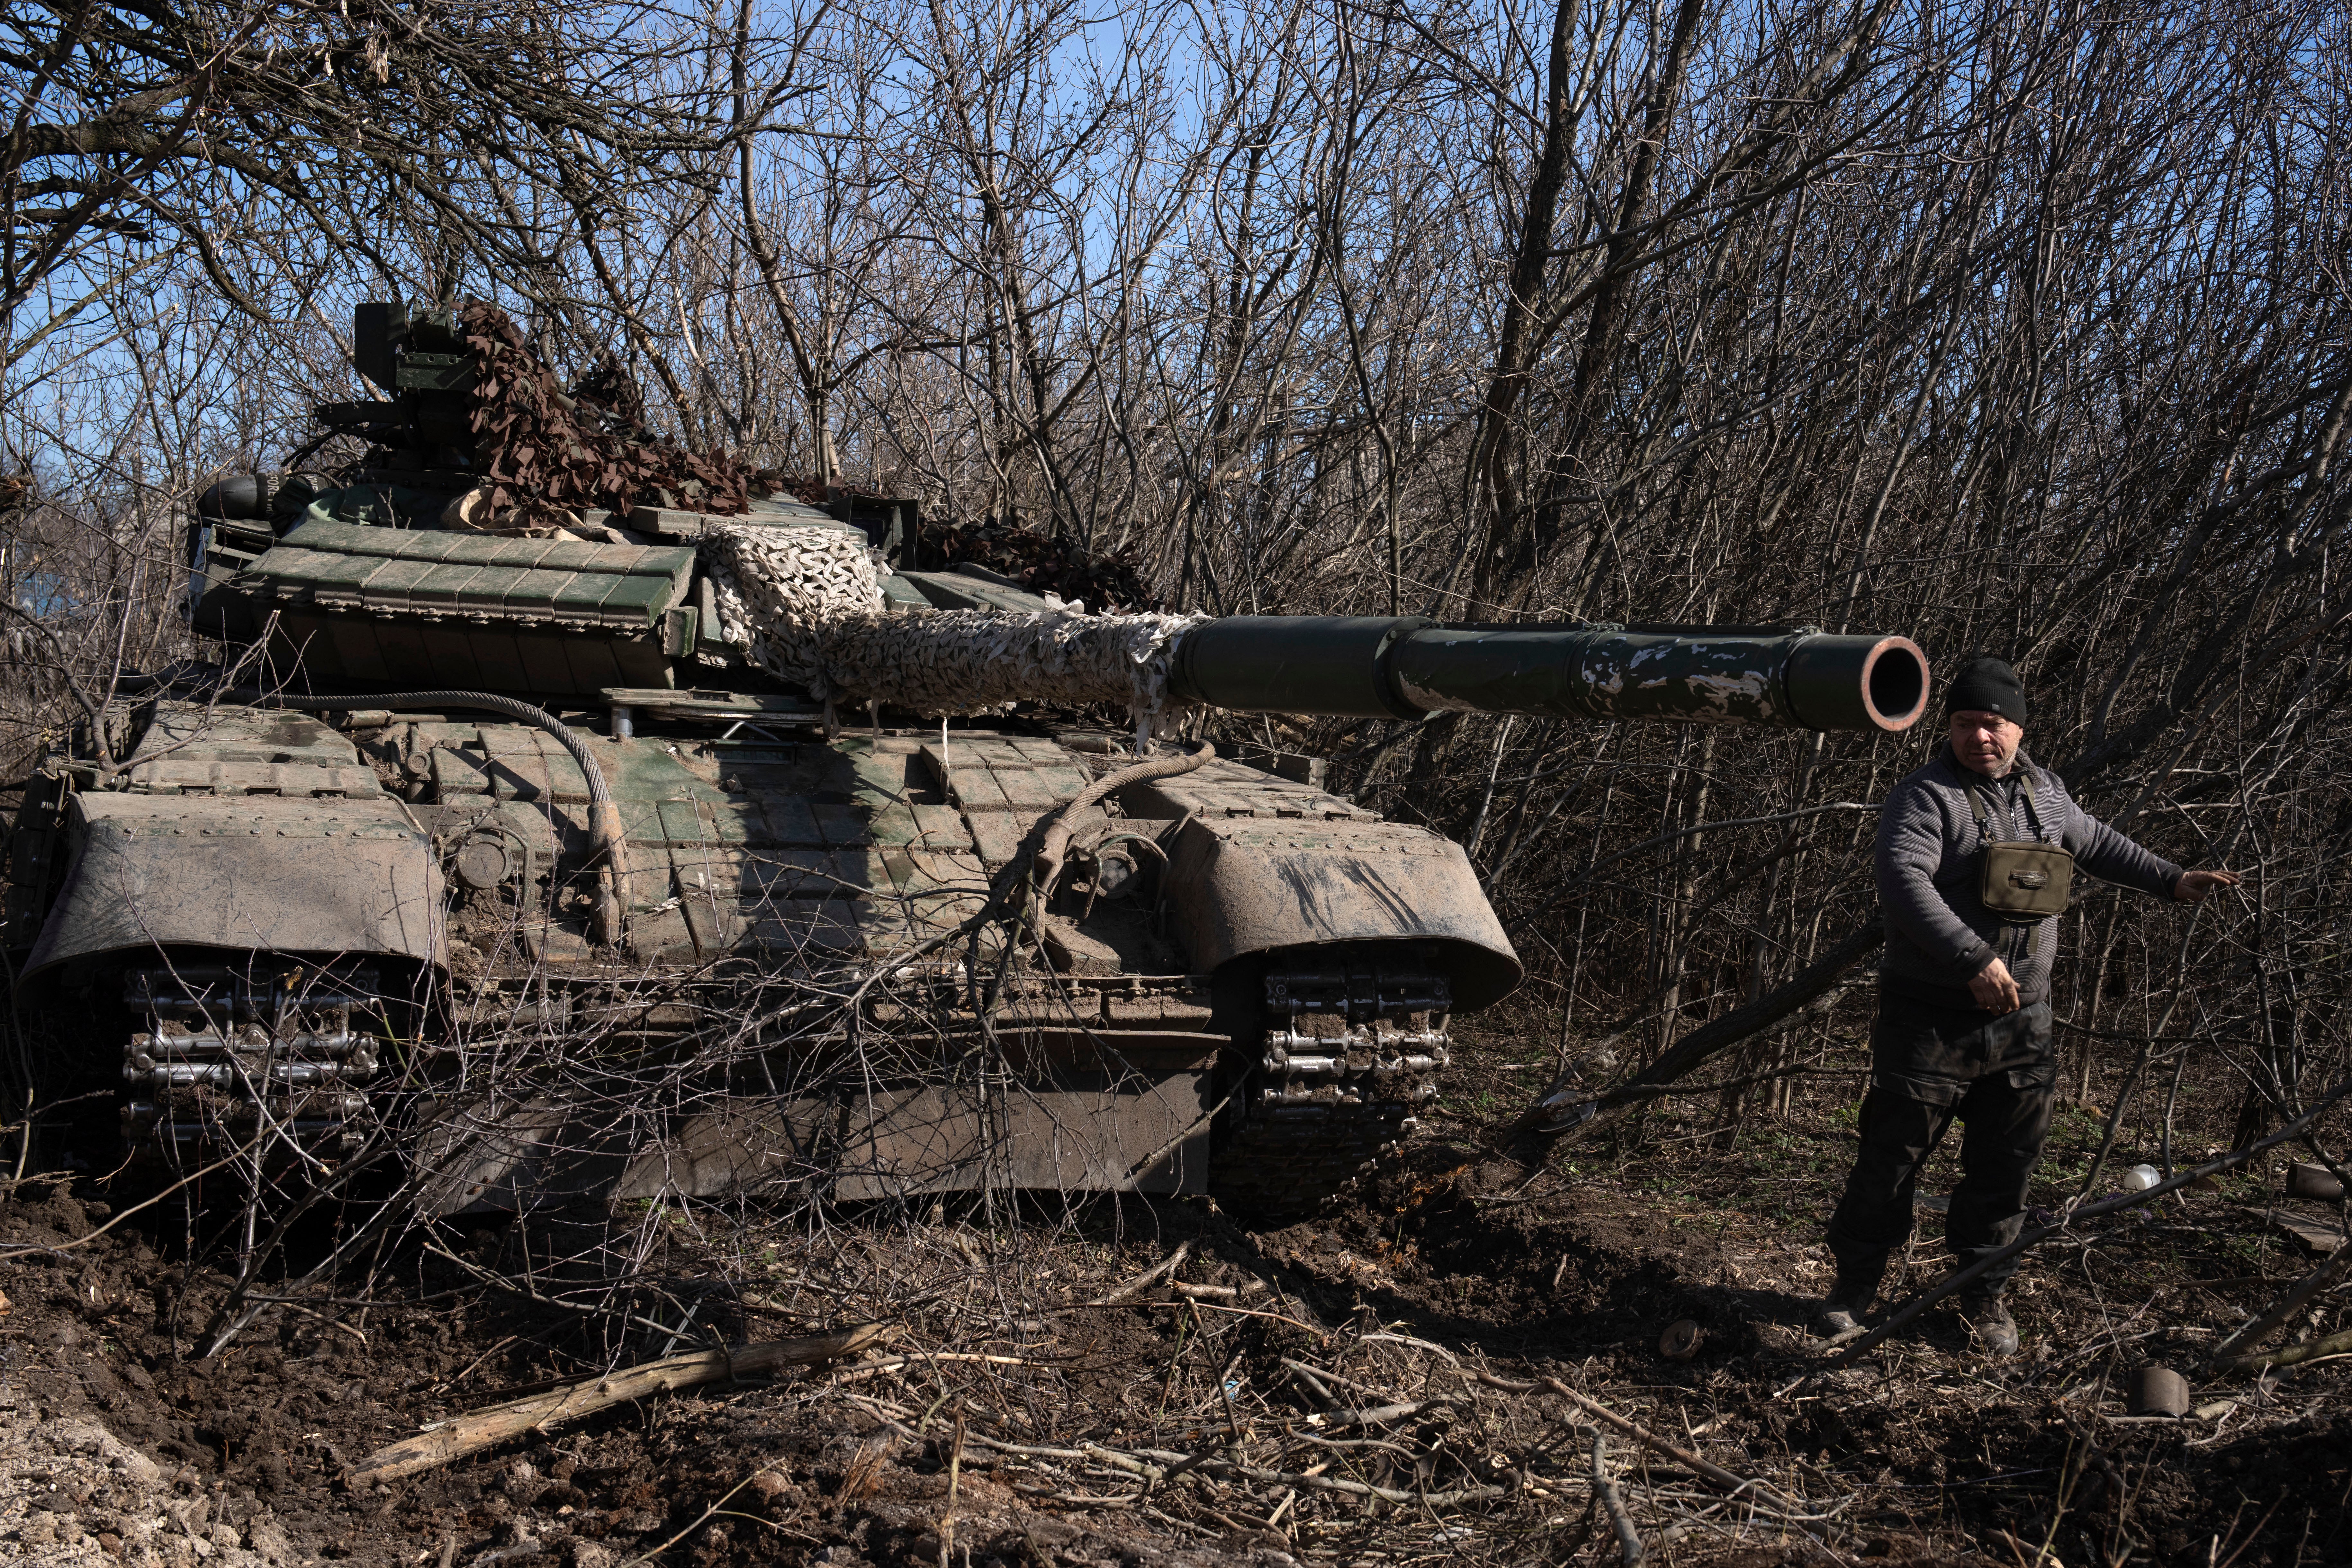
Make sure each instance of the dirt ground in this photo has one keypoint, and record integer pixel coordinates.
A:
(1367, 1386)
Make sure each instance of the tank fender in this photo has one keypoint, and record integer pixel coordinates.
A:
(1247, 886)
(262, 873)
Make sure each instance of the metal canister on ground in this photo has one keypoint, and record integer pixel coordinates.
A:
(2305, 1180)
(2159, 1391)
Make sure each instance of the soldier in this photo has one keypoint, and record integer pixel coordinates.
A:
(1974, 857)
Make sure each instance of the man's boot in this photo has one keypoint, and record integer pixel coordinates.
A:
(1849, 1300)
(1990, 1324)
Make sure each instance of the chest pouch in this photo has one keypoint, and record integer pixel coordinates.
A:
(2024, 880)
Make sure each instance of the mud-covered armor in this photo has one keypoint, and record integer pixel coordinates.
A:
(509, 786)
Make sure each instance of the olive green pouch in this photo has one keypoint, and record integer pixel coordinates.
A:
(2024, 880)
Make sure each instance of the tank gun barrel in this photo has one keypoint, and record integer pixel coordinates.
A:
(1374, 666)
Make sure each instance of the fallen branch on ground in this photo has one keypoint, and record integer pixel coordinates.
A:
(1159, 1270)
(1382, 1414)
(924, 1358)
(1204, 1292)
(478, 1429)
(1551, 1120)
(1628, 1540)
(2287, 1355)
(2256, 1330)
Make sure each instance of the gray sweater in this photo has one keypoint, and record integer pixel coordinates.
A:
(1938, 932)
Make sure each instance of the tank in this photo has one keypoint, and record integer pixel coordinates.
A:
(502, 814)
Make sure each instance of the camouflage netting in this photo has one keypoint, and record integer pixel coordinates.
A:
(546, 455)
(978, 661)
(776, 588)
(1041, 563)
(806, 604)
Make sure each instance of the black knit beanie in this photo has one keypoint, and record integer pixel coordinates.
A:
(1986, 685)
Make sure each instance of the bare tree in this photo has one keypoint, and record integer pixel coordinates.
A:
(2009, 327)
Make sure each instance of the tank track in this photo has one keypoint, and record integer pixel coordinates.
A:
(268, 1055)
(1352, 1050)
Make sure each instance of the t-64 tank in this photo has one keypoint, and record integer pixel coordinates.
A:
(598, 780)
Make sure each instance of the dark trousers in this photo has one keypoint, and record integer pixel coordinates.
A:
(1929, 1065)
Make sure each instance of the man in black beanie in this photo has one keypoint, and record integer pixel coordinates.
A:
(1971, 877)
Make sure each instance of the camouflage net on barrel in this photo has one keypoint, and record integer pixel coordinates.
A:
(978, 661)
(777, 588)
(805, 603)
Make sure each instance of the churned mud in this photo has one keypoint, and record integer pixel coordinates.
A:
(1368, 1385)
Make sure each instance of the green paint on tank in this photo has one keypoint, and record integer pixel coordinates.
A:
(1409, 667)
(1241, 982)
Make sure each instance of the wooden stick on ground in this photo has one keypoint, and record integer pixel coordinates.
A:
(478, 1429)
(1628, 1540)
(2287, 1355)
(1204, 1292)
(1760, 1493)
(2256, 1329)
(1166, 1265)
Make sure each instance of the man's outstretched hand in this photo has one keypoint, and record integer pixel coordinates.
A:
(1994, 988)
(2196, 887)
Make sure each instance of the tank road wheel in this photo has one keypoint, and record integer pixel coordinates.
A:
(1352, 1053)
(225, 1053)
